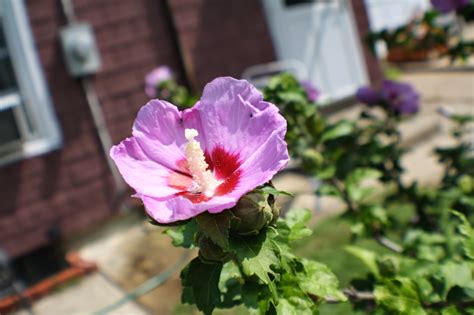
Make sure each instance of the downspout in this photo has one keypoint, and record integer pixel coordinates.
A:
(96, 111)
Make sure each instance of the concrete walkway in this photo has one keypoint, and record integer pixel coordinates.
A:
(86, 296)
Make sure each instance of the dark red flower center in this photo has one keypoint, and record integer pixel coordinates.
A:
(224, 166)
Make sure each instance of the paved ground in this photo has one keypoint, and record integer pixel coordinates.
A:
(130, 253)
(85, 297)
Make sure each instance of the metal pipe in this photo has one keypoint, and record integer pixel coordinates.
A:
(96, 110)
(68, 10)
(102, 131)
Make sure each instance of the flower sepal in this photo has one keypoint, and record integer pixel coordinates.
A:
(210, 252)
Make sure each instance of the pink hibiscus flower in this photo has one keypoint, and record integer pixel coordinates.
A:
(204, 158)
(155, 77)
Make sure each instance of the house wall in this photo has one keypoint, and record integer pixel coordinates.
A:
(220, 37)
(65, 191)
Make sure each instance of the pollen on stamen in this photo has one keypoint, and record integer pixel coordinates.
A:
(204, 180)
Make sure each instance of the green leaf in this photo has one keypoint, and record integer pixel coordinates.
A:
(326, 172)
(273, 191)
(216, 226)
(297, 220)
(468, 232)
(203, 281)
(295, 306)
(318, 280)
(230, 282)
(230, 285)
(328, 190)
(452, 310)
(400, 296)
(363, 173)
(339, 129)
(183, 236)
(250, 292)
(229, 271)
(369, 258)
(353, 182)
(456, 274)
(257, 255)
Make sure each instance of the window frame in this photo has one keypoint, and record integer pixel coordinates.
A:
(34, 113)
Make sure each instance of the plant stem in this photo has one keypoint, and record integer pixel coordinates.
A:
(387, 243)
(354, 295)
(345, 196)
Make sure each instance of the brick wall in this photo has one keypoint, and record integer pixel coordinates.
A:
(71, 188)
(220, 38)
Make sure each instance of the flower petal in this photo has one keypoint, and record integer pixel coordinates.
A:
(144, 175)
(271, 157)
(158, 130)
(368, 95)
(180, 208)
(234, 116)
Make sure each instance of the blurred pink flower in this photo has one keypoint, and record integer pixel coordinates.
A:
(155, 77)
(312, 92)
(368, 95)
(399, 97)
(204, 158)
(446, 6)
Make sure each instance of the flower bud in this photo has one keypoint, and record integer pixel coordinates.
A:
(253, 212)
(210, 252)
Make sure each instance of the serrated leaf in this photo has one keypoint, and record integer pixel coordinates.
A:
(295, 306)
(456, 274)
(216, 226)
(187, 296)
(256, 254)
(250, 291)
(399, 296)
(183, 236)
(230, 285)
(468, 232)
(369, 258)
(296, 219)
(203, 280)
(318, 280)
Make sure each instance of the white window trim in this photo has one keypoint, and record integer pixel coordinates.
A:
(32, 87)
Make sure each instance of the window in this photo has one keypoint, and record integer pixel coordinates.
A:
(290, 3)
(28, 126)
